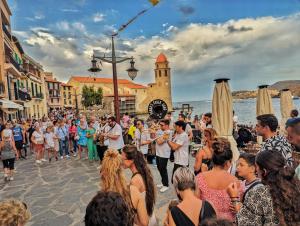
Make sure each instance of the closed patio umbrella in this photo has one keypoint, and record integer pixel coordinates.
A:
(264, 101)
(222, 113)
(286, 106)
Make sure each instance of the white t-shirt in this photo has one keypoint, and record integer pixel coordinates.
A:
(188, 128)
(182, 154)
(49, 137)
(163, 150)
(142, 137)
(39, 137)
(118, 143)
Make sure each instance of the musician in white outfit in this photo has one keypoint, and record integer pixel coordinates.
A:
(142, 137)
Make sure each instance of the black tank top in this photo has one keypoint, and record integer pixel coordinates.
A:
(181, 219)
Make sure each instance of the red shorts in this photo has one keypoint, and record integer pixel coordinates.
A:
(38, 147)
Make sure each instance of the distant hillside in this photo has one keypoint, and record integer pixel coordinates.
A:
(293, 85)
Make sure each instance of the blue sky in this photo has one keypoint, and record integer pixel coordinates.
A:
(250, 41)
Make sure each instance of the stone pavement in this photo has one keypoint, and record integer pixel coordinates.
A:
(57, 193)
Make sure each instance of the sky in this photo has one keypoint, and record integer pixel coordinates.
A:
(252, 42)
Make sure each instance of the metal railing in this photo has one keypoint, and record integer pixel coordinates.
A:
(9, 59)
(6, 31)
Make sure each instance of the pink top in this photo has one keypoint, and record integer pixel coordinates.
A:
(218, 198)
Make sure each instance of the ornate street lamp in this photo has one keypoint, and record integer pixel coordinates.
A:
(132, 71)
(114, 60)
(95, 68)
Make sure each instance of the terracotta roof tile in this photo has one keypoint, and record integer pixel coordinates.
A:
(126, 82)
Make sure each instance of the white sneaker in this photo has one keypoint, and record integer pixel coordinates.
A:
(11, 178)
(74, 155)
(163, 189)
(61, 157)
(38, 161)
(44, 160)
(67, 156)
(159, 185)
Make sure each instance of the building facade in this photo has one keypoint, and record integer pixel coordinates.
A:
(131, 94)
(34, 85)
(126, 88)
(21, 82)
(67, 96)
(53, 92)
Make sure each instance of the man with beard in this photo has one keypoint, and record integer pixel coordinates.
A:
(293, 129)
(266, 127)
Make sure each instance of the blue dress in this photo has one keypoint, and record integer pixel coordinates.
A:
(82, 136)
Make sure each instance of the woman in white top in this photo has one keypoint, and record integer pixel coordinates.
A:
(37, 139)
(141, 178)
(7, 132)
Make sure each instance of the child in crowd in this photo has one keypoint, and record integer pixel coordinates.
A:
(50, 143)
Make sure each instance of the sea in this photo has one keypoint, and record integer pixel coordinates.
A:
(245, 109)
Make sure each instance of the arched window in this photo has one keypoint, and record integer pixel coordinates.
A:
(159, 72)
(166, 73)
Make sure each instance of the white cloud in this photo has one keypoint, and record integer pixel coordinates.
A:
(249, 51)
(63, 25)
(79, 26)
(70, 10)
(98, 17)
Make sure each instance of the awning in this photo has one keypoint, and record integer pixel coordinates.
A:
(7, 104)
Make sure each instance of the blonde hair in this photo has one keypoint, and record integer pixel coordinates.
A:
(112, 175)
(13, 213)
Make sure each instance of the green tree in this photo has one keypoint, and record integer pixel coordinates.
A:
(91, 97)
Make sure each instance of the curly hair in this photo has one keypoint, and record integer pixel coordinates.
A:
(112, 175)
(141, 165)
(222, 151)
(284, 186)
(108, 208)
(13, 213)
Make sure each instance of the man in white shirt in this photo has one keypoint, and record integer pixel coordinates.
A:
(163, 151)
(188, 129)
(142, 137)
(114, 135)
(180, 144)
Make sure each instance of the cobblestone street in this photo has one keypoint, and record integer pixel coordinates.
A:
(58, 193)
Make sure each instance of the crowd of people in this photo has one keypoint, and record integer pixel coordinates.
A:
(261, 189)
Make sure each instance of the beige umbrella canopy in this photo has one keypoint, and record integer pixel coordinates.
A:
(222, 113)
(264, 101)
(286, 106)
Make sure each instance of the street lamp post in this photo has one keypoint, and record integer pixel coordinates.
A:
(132, 72)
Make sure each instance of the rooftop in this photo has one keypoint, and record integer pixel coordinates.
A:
(161, 58)
(126, 82)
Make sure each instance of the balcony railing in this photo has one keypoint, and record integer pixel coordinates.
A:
(39, 95)
(24, 96)
(9, 59)
(6, 31)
